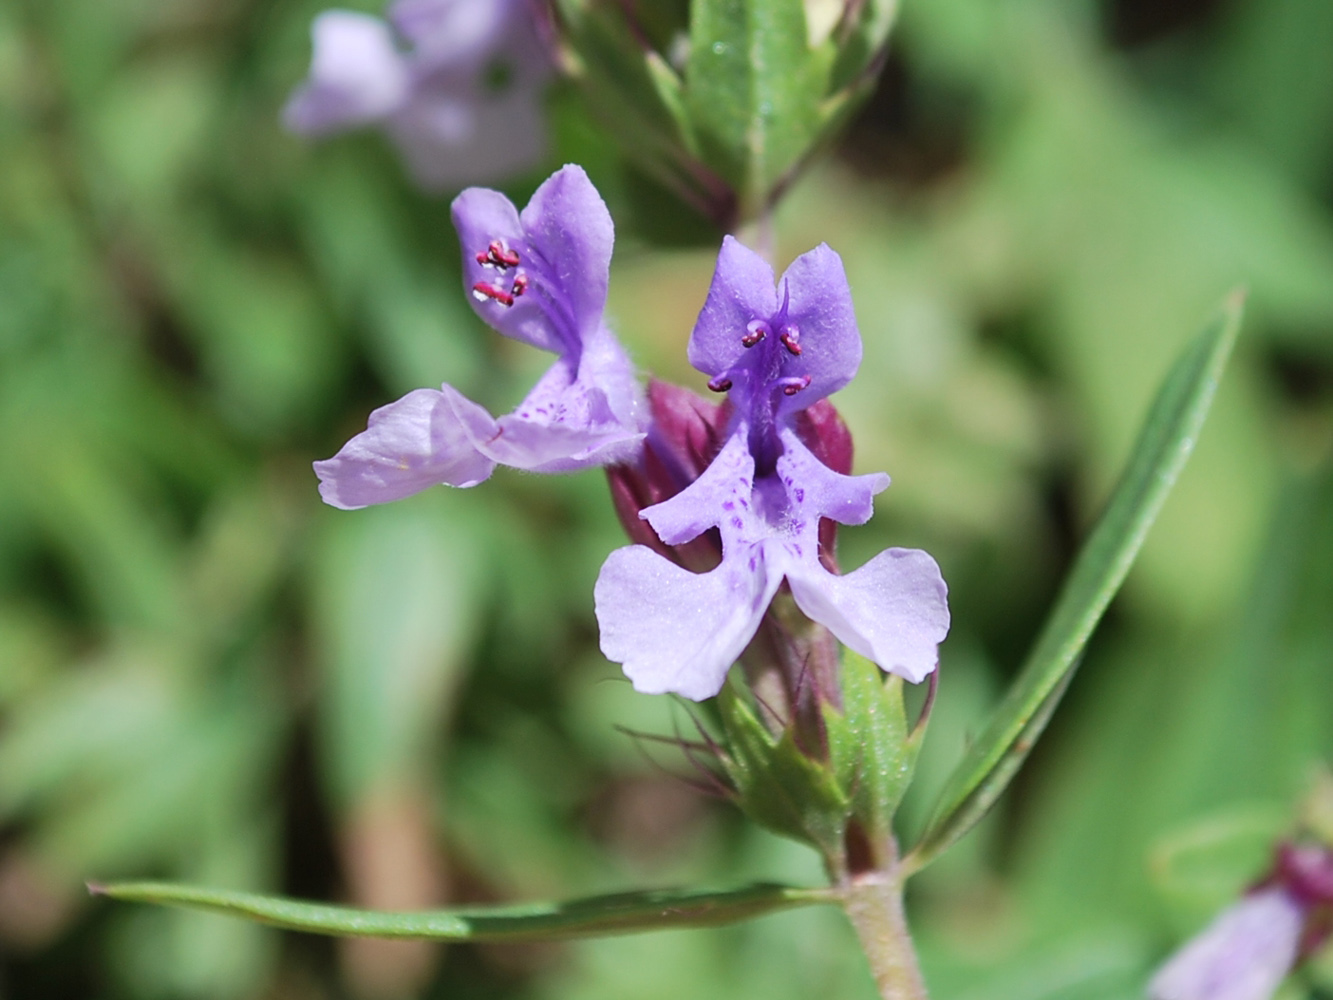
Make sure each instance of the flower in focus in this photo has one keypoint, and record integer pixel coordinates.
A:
(1251, 947)
(777, 350)
(455, 83)
(539, 277)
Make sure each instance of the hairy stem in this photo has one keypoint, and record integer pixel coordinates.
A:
(874, 904)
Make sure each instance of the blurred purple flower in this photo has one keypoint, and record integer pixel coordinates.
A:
(1251, 947)
(539, 277)
(455, 83)
(777, 350)
(1242, 955)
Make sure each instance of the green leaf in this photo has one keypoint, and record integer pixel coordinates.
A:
(753, 89)
(872, 751)
(596, 916)
(1164, 445)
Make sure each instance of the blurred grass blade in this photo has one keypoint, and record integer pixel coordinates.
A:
(1160, 453)
(596, 916)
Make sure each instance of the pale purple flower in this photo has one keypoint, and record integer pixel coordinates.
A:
(455, 83)
(540, 277)
(777, 349)
(1242, 955)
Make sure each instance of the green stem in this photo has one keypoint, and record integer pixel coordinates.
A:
(760, 234)
(874, 905)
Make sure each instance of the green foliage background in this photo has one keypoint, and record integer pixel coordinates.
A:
(206, 675)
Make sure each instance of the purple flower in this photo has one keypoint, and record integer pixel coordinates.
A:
(1242, 955)
(539, 277)
(777, 350)
(460, 96)
(1251, 947)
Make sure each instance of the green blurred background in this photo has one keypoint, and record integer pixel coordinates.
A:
(206, 675)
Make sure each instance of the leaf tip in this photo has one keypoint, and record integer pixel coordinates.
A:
(96, 888)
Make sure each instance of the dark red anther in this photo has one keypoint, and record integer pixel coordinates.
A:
(754, 333)
(482, 291)
(520, 285)
(502, 255)
(719, 384)
(498, 255)
(789, 342)
(792, 388)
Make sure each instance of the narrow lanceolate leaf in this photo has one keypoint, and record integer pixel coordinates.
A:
(1163, 446)
(598, 916)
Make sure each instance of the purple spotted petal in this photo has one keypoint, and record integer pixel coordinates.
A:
(677, 631)
(893, 610)
(424, 439)
(357, 75)
(1242, 955)
(575, 417)
(742, 289)
(723, 493)
(815, 490)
